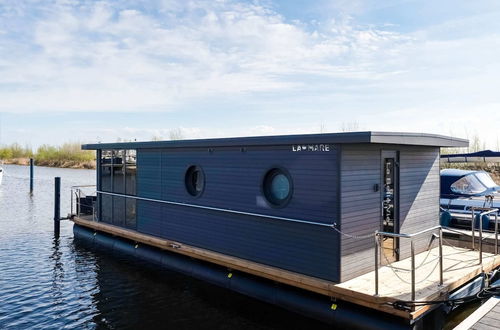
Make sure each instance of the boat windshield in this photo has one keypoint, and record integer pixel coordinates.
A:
(468, 185)
(486, 180)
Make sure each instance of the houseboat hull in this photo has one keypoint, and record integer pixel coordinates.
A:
(309, 304)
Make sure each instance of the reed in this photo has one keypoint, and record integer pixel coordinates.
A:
(67, 155)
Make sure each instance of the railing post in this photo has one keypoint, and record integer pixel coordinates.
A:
(377, 244)
(71, 212)
(472, 229)
(412, 248)
(78, 199)
(480, 238)
(496, 232)
(441, 256)
(57, 206)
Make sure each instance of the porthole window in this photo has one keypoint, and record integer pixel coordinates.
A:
(277, 187)
(195, 180)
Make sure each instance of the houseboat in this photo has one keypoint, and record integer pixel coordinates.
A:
(314, 223)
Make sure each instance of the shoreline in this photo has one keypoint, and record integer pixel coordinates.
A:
(87, 165)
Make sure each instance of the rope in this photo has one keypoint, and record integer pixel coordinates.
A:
(393, 269)
(452, 246)
(482, 294)
(353, 236)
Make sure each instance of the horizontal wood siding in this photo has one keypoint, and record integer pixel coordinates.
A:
(419, 195)
(233, 179)
(361, 206)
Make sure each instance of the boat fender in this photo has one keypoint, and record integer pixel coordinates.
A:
(485, 219)
(445, 219)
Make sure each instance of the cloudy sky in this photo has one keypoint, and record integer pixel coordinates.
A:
(102, 70)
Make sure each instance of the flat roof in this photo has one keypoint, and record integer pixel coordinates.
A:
(419, 139)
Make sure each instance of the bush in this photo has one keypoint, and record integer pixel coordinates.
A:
(68, 152)
(15, 150)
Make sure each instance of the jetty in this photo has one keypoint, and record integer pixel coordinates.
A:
(486, 317)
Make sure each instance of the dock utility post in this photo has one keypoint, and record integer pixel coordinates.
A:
(57, 206)
(31, 175)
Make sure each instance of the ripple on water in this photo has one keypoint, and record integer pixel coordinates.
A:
(54, 284)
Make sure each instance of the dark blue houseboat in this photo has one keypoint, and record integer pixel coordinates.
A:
(298, 210)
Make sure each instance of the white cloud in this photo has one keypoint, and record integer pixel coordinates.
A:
(99, 56)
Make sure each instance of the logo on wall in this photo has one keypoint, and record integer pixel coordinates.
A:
(311, 147)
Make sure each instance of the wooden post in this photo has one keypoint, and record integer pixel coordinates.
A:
(31, 175)
(57, 206)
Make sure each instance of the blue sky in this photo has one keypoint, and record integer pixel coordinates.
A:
(101, 70)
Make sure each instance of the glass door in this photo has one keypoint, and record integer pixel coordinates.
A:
(390, 199)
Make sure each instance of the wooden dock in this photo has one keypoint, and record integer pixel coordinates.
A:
(460, 265)
(486, 317)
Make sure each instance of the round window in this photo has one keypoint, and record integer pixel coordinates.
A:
(195, 180)
(277, 187)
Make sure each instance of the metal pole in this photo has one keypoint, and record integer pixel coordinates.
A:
(57, 206)
(440, 256)
(480, 238)
(472, 229)
(412, 247)
(377, 244)
(496, 233)
(31, 175)
(71, 201)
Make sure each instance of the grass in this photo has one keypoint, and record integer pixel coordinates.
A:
(67, 155)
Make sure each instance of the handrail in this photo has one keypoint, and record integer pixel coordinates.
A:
(307, 222)
(486, 211)
(380, 234)
(77, 191)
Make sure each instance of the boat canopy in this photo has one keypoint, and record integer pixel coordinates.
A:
(487, 156)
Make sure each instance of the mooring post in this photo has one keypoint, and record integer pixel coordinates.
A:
(31, 175)
(57, 206)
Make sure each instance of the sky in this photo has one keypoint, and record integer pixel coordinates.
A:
(102, 71)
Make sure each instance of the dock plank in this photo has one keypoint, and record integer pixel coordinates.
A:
(486, 317)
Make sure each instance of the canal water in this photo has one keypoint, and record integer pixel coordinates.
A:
(53, 284)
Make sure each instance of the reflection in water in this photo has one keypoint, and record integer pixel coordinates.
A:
(136, 294)
(57, 272)
(55, 283)
(47, 283)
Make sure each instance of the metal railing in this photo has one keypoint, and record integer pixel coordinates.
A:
(77, 193)
(486, 211)
(379, 236)
(218, 209)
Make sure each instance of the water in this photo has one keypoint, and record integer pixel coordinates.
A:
(53, 284)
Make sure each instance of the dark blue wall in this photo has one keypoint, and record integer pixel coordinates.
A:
(233, 180)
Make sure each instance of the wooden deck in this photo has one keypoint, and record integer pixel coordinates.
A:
(460, 265)
(486, 317)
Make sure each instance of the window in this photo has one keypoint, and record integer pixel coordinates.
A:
(130, 172)
(486, 180)
(195, 181)
(118, 171)
(277, 187)
(118, 175)
(106, 157)
(468, 185)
